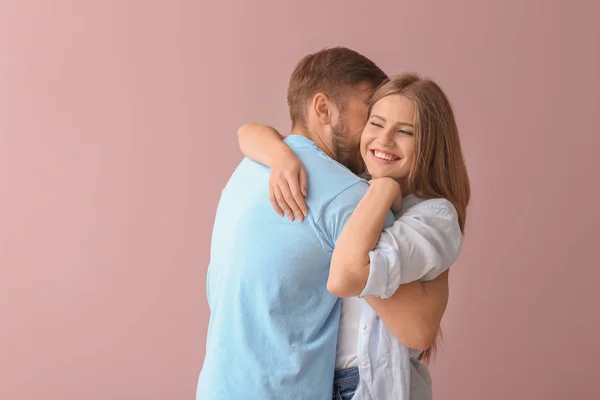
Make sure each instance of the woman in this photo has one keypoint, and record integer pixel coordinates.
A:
(411, 149)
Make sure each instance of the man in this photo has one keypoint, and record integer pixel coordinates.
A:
(273, 325)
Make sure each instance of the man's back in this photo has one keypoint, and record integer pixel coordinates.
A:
(273, 325)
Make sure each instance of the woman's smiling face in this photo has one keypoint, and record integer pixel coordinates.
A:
(388, 140)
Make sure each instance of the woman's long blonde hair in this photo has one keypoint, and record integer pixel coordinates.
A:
(439, 169)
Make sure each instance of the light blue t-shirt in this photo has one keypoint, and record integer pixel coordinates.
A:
(273, 325)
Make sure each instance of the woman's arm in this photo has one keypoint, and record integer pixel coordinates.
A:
(413, 314)
(350, 264)
(261, 143)
(289, 181)
(422, 244)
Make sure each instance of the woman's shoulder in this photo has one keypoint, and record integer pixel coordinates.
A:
(414, 204)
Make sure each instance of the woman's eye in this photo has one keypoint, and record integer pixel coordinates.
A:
(402, 131)
(376, 124)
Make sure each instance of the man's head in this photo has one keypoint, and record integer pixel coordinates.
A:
(328, 96)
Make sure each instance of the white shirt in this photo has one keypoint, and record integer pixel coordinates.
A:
(345, 356)
(423, 242)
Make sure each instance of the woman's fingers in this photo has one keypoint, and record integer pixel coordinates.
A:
(303, 181)
(290, 200)
(282, 201)
(273, 200)
(299, 206)
(287, 191)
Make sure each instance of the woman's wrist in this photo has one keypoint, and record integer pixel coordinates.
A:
(280, 153)
(385, 187)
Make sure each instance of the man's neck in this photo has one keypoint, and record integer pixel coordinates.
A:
(315, 138)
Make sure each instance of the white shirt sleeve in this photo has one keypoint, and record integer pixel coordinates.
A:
(420, 245)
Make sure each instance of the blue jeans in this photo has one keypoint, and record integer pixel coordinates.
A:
(345, 382)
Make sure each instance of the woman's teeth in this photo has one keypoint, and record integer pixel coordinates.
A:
(385, 156)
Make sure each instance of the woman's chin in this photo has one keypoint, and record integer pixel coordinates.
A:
(376, 173)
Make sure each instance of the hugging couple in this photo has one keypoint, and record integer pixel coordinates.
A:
(338, 293)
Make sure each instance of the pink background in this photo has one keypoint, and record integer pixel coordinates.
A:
(117, 132)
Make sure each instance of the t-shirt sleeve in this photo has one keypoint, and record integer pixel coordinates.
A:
(338, 211)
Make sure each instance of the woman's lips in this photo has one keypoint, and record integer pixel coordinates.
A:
(384, 157)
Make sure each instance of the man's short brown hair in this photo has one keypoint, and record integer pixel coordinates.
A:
(330, 71)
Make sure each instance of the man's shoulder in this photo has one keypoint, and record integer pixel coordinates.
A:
(334, 190)
(319, 165)
(327, 178)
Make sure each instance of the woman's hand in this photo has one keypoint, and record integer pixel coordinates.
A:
(386, 185)
(393, 186)
(288, 182)
(288, 185)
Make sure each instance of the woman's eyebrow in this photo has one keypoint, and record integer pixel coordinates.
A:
(398, 123)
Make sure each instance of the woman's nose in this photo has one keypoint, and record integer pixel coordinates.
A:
(387, 138)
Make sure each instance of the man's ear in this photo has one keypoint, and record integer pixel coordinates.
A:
(322, 108)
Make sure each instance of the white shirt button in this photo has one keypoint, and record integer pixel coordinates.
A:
(363, 364)
(363, 326)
